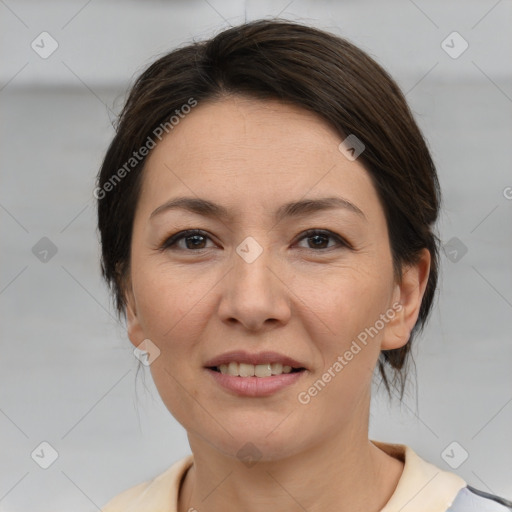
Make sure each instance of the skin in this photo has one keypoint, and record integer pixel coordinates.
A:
(310, 303)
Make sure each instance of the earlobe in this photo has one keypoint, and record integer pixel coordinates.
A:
(408, 294)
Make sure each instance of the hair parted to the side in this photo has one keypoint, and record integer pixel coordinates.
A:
(304, 66)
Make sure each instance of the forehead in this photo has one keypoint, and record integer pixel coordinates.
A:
(253, 152)
(235, 126)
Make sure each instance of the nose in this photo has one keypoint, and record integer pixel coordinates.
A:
(255, 293)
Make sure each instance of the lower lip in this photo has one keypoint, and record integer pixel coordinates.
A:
(255, 386)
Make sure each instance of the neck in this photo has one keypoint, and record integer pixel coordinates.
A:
(346, 473)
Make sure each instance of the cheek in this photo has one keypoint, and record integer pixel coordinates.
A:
(169, 302)
(349, 351)
(173, 316)
(351, 299)
(350, 304)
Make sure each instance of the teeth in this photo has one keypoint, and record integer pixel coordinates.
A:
(263, 370)
(233, 369)
(277, 368)
(251, 370)
(246, 370)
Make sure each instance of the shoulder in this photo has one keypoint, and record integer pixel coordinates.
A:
(470, 499)
(126, 498)
(160, 493)
(424, 487)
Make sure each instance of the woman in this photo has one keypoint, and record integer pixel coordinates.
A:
(266, 212)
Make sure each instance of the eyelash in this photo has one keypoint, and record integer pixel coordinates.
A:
(171, 241)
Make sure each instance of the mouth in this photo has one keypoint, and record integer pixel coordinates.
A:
(240, 363)
(255, 375)
(236, 369)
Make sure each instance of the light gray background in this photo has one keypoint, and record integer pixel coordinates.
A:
(68, 373)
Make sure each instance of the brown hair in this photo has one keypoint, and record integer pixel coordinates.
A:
(300, 65)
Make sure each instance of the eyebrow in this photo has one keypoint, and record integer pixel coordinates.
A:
(293, 209)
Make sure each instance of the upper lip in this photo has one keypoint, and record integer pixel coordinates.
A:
(241, 356)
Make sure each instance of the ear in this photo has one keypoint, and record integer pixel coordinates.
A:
(133, 325)
(407, 297)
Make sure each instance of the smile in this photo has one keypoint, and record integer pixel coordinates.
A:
(254, 370)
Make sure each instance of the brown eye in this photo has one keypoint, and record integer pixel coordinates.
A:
(195, 239)
(319, 239)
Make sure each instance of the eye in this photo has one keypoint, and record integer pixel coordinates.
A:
(194, 240)
(320, 237)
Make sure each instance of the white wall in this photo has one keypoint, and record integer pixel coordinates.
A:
(106, 42)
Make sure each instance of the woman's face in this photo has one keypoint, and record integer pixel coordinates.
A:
(255, 281)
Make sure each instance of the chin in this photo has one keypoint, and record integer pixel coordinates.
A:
(254, 444)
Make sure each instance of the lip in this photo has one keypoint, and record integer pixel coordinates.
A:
(254, 386)
(241, 356)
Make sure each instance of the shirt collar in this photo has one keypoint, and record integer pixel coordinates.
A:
(422, 487)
